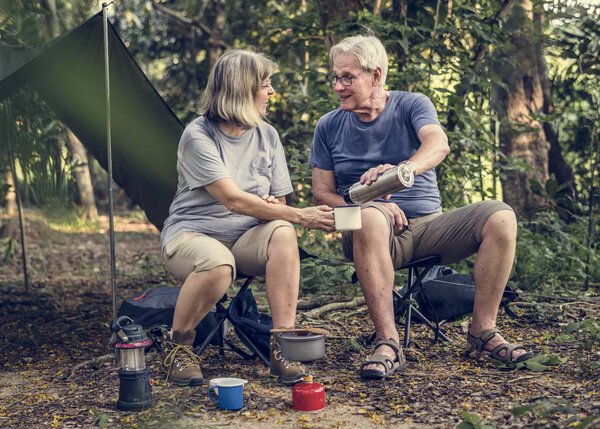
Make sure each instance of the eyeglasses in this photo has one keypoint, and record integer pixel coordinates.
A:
(333, 78)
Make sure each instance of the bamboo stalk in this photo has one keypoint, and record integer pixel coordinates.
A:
(590, 229)
(9, 135)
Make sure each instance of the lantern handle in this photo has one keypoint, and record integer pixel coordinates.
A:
(117, 326)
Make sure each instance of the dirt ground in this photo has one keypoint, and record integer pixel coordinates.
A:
(56, 369)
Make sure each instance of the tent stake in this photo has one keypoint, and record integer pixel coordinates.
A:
(11, 158)
(111, 214)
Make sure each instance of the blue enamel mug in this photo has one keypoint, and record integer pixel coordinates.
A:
(227, 393)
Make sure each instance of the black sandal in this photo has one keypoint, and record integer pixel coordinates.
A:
(390, 367)
(477, 344)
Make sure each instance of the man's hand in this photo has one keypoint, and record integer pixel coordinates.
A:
(398, 216)
(372, 174)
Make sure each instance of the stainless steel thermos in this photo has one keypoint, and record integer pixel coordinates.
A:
(393, 180)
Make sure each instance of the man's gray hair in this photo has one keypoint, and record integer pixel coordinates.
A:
(368, 49)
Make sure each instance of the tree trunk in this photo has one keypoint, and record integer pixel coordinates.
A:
(400, 11)
(556, 162)
(11, 195)
(335, 11)
(83, 178)
(517, 102)
(78, 153)
(51, 17)
(214, 41)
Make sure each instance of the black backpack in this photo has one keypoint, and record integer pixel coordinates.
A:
(246, 318)
(155, 307)
(446, 295)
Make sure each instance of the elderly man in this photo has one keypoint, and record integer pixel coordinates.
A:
(372, 131)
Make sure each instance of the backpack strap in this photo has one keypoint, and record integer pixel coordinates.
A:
(509, 311)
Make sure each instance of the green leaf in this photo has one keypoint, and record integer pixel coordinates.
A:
(555, 360)
(535, 366)
(497, 363)
(539, 358)
(565, 338)
(537, 187)
(471, 419)
(573, 327)
(355, 345)
(102, 418)
(519, 411)
(551, 187)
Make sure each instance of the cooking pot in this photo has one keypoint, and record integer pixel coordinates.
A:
(302, 346)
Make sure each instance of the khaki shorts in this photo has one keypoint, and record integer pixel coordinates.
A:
(192, 252)
(454, 235)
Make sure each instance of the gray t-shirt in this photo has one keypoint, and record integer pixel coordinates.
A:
(347, 146)
(255, 161)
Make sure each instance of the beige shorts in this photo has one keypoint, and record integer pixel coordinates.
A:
(454, 235)
(195, 252)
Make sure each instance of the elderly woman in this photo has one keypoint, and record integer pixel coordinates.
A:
(230, 214)
(373, 130)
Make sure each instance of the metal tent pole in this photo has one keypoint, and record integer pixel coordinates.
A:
(111, 214)
(11, 159)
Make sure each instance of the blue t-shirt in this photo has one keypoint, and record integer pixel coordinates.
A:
(344, 144)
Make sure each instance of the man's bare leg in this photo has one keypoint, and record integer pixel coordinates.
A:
(491, 272)
(375, 270)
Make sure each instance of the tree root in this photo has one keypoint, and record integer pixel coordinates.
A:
(303, 305)
(85, 363)
(318, 312)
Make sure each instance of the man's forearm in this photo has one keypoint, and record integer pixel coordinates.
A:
(331, 199)
(423, 161)
(433, 150)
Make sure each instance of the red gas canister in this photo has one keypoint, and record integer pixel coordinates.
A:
(308, 396)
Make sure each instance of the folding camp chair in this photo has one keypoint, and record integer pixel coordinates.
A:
(405, 306)
(225, 314)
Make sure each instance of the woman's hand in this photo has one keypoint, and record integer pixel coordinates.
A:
(270, 199)
(319, 217)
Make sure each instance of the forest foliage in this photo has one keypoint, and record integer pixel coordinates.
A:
(455, 52)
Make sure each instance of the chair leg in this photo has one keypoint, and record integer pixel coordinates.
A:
(218, 329)
(408, 298)
(213, 332)
(407, 321)
(248, 342)
(221, 340)
(431, 326)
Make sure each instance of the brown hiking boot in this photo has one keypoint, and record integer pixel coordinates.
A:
(180, 363)
(289, 372)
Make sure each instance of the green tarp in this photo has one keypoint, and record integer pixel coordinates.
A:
(69, 76)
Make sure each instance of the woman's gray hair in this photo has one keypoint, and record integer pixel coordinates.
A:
(368, 49)
(232, 85)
